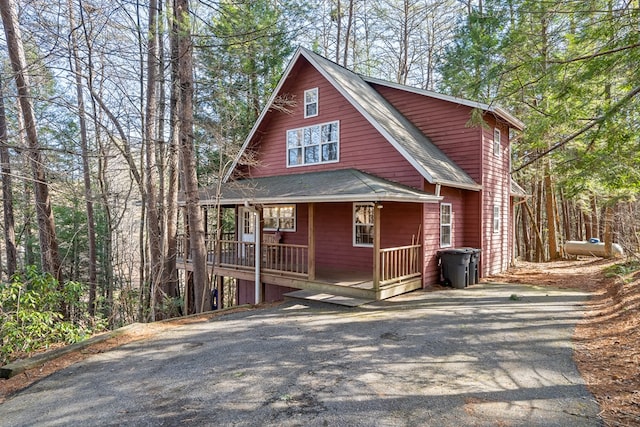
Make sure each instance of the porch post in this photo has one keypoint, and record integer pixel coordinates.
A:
(311, 241)
(376, 247)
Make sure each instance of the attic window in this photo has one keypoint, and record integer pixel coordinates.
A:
(311, 103)
(496, 142)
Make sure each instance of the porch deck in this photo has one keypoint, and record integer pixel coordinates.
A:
(290, 266)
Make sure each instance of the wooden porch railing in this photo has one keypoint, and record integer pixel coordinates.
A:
(401, 263)
(396, 264)
(281, 257)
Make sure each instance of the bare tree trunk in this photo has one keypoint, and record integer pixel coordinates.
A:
(595, 223)
(338, 15)
(7, 192)
(202, 296)
(347, 34)
(540, 249)
(50, 257)
(171, 279)
(154, 226)
(84, 146)
(608, 231)
(403, 66)
(535, 227)
(551, 215)
(526, 237)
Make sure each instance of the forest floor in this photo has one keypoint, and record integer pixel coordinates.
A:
(607, 340)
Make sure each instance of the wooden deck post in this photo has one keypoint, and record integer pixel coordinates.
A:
(376, 246)
(311, 241)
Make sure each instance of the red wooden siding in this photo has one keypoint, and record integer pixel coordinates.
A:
(361, 145)
(247, 292)
(466, 228)
(497, 191)
(431, 243)
(445, 123)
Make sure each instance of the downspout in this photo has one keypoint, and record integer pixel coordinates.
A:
(257, 257)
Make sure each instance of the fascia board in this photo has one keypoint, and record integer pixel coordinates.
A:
(329, 199)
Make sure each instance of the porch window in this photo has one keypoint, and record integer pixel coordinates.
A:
(363, 224)
(445, 225)
(496, 142)
(496, 219)
(281, 217)
(311, 103)
(313, 144)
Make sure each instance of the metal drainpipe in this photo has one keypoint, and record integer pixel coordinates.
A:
(258, 257)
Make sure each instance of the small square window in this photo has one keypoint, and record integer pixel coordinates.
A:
(310, 103)
(496, 142)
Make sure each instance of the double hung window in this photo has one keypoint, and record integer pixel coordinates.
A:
(310, 103)
(363, 224)
(496, 142)
(445, 225)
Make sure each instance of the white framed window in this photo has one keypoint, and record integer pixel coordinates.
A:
(311, 103)
(446, 219)
(313, 144)
(279, 217)
(496, 141)
(363, 224)
(496, 218)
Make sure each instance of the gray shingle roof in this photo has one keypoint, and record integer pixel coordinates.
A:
(417, 148)
(344, 185)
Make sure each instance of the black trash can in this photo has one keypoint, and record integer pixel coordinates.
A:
(455, 267)
(474, 262)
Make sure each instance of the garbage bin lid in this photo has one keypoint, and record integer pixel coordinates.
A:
(453, 251)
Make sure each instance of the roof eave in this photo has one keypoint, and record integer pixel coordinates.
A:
(462, 186)
(330, 199)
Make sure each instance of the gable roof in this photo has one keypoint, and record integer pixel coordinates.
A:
(347, 185)
(499, 112)
(403, 135)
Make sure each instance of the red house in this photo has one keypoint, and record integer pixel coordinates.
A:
(354, 189)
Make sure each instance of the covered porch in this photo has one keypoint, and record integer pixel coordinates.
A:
(322, 248)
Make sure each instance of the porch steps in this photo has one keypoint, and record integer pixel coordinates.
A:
(328, 298)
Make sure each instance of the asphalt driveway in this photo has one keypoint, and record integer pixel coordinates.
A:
(488, 355)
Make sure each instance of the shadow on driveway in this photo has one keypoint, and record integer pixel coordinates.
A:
(484, 356)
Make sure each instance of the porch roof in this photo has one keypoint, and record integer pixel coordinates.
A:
(346, 185)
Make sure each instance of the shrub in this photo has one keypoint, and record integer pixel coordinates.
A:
(36, 312)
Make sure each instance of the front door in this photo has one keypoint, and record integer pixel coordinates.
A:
(247, 230)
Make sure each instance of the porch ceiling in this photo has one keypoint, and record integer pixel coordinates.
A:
(346, 185)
